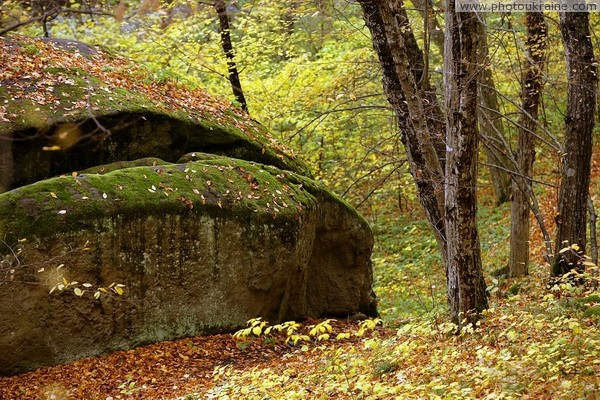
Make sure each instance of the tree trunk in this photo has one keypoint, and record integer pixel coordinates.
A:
(579, 124)
(234, 77)
(531, 93)
(593, 252)
(430, 23)
(466, 286)
(401, 62)
(433, 113)
(490, 122)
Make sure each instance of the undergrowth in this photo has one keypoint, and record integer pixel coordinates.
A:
(537, 340)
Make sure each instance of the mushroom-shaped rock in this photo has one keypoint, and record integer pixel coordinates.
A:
(136, 212)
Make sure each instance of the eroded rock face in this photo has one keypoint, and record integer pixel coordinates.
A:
(201, 247)
(193, 207)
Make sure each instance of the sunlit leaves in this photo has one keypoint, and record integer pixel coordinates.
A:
(296, 333)
(58, 281)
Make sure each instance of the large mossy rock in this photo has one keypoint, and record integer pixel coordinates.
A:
(198, 243)
(201, 247)
(72, 106)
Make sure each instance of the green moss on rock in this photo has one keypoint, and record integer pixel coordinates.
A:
(220, 187)
(59, 93)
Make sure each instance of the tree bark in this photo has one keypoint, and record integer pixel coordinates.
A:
(407, 88)
(593, 252)
(467, 294)
(401, 62)
(531, 93)
(490, 122)
(577, 151)
(233, 75)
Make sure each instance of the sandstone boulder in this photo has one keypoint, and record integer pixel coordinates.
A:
(136, 219)
(200, 247)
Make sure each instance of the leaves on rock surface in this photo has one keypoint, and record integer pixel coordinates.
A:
(44, 83)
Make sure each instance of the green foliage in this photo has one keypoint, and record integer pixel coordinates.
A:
(525, 346)
(294, 333)
(409, 277)
(128, 387)
(592, 312)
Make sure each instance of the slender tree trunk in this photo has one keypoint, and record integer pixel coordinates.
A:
(466, 286)
(401, 62)
(431, 24)
(579, 124)
(531, 93)
(593, 251)
(234, 77)
(490, 122)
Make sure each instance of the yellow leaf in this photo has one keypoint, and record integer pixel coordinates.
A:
(78, 292)
(53, 194)
(256, 330)
(97, 294)
(51, 148)
(118, 290)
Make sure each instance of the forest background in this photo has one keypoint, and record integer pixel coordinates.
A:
(309, 73)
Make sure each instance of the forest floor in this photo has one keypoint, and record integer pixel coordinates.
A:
(537, 341)
(163, 370)
(534, 345)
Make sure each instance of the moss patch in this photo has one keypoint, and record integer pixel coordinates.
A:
(220, 187)
(593, 311)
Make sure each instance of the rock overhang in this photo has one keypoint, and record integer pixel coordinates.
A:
(70, 105)
(203, 216)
